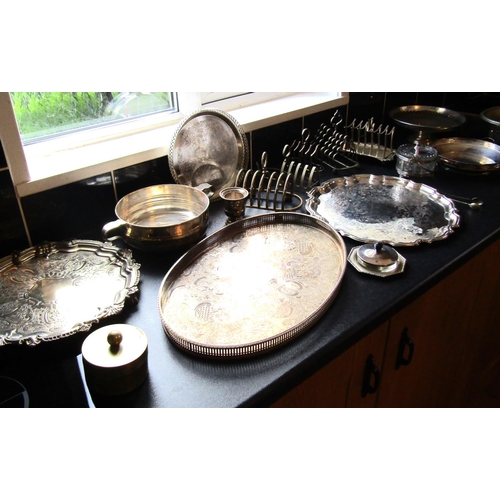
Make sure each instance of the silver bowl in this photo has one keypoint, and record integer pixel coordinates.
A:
(160, 217)
(472, 156)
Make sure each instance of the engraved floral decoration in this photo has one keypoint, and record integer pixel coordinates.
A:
(58, 289)
(253, 286)
(384, 209)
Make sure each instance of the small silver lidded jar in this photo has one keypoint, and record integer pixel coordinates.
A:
(416, 160)
(115, 359)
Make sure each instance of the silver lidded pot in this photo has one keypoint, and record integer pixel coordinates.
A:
(115, 359)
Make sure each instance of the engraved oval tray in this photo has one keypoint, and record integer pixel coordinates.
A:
(252, 286)
(385, 209)
(208, 147)
(57, 289)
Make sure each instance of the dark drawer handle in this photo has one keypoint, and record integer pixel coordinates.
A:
(405, 344)
(371, 372)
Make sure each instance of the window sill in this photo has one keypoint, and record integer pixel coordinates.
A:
(49, 170)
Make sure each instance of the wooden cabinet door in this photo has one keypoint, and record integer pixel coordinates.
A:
(327, 388)
(340, 383)
(480, 358)
(439, 332)
(367, 377)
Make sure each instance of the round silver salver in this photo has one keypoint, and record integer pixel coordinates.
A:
(209, 147)
(384, 209)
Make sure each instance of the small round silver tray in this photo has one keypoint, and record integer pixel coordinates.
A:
(208, 147)
(427, 118)
(472, 156)
(385, 209)
(252, 286)
(57, 289)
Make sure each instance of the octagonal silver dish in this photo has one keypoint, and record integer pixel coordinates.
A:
(57, 289)
(385, 209)
(208, 147)
(361, 266)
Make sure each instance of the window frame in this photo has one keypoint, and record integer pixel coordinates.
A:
(44, 165)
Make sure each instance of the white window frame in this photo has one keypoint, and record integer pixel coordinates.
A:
(80, 155)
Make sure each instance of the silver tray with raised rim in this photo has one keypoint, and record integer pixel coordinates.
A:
(468, 155)
(385, 209)
(252, 286)
(57, 289)
(208, 147)
(427, 118)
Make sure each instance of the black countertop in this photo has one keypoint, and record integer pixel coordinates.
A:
(53, 375)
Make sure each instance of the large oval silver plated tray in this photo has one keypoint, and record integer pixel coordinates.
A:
(209, 147)
(391, 210)
(57, 289)
(252, 286)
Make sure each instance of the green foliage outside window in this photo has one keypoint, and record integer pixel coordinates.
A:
(41, 114)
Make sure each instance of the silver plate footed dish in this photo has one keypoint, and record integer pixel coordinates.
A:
(385, 209)
(57, 289)
(252, 286)
(208, 147)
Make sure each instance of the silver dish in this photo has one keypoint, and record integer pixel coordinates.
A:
(253, 285)
(361, 264)
(58, 289)
(385, 209)
(491, 116)
(209, 147)
(473, 156)
(427, 118)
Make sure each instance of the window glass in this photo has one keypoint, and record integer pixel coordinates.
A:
(42, 115)
(208, 97)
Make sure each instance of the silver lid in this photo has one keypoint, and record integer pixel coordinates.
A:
(114, 346)
(378, 254)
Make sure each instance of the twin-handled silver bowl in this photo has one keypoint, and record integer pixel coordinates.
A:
(161, 217)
